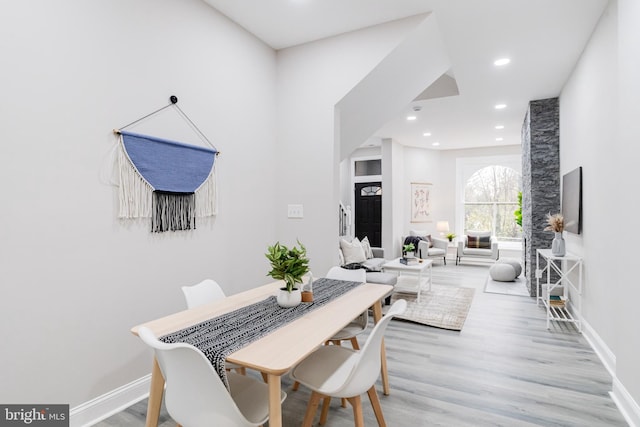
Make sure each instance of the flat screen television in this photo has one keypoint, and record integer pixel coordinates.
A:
(572, 201)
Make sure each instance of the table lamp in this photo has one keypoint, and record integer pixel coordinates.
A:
(442, 227)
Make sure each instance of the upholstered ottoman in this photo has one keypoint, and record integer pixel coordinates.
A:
(502, 272)
(515, 264)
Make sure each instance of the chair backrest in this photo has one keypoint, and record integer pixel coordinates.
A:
(367, 367)
(339, 273)
(204, 292)
(195, 395)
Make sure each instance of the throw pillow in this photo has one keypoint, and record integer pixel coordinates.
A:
(367, 247)
(353, 251)
(340, 256)
(479, 242)
(428, 239)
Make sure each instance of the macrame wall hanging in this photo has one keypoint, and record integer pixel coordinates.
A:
(168, 181)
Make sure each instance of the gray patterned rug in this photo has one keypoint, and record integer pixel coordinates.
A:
(443, 307)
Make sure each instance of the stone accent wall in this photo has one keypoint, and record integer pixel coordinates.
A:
(540, 179)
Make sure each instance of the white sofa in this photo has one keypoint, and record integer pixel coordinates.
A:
(437, 249)
(372, 262)
(484, 246)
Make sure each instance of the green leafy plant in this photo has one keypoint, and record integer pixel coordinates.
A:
(288, 264)
(451, 236)
(408, 248)
(518, 212)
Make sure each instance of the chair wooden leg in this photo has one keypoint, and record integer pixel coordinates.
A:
(296, 386)
(265, 377)
(357, 411)
(325, 410)
(312, 406)
(375, 403)
(354, 343)
(242, 370)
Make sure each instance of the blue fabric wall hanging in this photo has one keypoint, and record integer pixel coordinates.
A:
(169, 181)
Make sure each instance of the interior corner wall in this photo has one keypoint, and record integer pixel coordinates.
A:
(540, 179)
(621, 174)
(312, 79)
(75, 279)
(599, 131)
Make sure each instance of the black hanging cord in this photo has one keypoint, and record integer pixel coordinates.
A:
(173, 102)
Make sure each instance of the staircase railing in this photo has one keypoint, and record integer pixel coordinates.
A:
(344, 220)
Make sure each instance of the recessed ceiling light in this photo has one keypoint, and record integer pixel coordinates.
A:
(426, 134)
(500, 106)
(499, 126)
(500, 62)
(435, 144)
(499, 139)
(411, 117)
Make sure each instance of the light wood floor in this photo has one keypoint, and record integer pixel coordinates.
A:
(503, 369)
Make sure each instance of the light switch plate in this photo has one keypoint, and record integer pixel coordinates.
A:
(295, 211)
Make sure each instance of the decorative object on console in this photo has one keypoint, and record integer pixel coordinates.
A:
(556, 224)
(420, 202)
(288, 265)
(451, 236)
(171, 182)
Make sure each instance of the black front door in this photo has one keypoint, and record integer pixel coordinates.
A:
(368, 212)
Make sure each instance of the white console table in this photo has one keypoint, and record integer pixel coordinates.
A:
(563, 267)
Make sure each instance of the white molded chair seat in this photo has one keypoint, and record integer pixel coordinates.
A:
(195, 395)
(203, 293)
(334, 371)
(359, 324)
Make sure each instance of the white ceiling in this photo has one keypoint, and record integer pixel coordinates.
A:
(543, 39)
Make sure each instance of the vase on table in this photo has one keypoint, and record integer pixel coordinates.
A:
(288, 299)
(557, 245)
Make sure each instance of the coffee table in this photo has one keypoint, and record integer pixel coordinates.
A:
(411, 278)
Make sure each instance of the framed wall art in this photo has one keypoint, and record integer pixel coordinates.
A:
(421, 202)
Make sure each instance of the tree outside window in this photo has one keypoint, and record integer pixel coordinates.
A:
(490, 198)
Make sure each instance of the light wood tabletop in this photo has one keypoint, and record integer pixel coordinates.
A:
(276, 353)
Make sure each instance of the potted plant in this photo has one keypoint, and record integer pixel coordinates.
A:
(288, 264)
(451, 236)
(408, 250)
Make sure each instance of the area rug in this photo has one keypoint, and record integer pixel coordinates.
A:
(517, 287)
(444, 307)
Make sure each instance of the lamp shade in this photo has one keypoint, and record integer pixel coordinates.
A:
(442, 226)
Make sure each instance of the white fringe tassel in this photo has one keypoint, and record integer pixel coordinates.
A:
(207, 197)
(135, 192)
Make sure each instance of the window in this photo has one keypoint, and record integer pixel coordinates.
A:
(490, 198)
(368, 167)
(372, 190)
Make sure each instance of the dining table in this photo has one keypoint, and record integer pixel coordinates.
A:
(276, 353)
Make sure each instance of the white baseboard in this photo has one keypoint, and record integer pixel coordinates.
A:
(619, 394)
(627, 406)
(605, 354)
(96, 410)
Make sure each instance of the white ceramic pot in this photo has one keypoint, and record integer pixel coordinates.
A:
(288, 299)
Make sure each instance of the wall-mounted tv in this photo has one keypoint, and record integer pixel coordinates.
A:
(572, 201)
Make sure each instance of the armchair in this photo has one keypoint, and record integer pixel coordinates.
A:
(478, 244)
(437, 248)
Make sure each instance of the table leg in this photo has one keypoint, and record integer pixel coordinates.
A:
(275, 405)
(377, 315)
(155, 395)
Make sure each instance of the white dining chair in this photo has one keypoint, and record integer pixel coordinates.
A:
(203, 293)
(335, 371)
(195, 395)
(359, 324)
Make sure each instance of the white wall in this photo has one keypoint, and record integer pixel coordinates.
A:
(74, 278)
(599, 131)
(312, 78)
